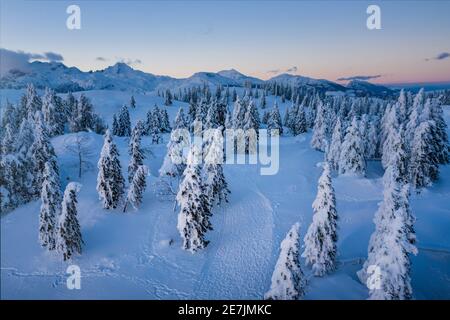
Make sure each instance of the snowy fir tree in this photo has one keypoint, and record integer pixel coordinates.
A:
(174, 162)
(334, 151)
(274, 121)
(115, 126)
(165, 123)
(297, 120)
(168, 98)
(154, 124)
(390, 244)
(132, 102)
(69, 240)
(193, 219)
(31, 101)
(42, 152)
(238, 114)
(180, 120)
(135, 150)
(50, 206)
(53, 112)
(122, 127)
(216, 186)
(321, 237)
(288, 281)
(85, 115)
(251, 126)
(423, 167)
(137, 188)
(110, 182)
(320, 128)
(351, 160)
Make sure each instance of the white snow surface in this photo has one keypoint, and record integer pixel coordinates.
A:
(138, 255)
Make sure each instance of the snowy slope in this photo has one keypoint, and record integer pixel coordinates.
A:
(129, 255)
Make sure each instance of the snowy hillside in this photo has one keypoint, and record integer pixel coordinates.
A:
(138, 254)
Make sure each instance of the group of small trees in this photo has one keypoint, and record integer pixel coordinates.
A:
(25, 135)
(157, 123)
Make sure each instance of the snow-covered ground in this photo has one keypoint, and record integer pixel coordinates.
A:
(129, 255)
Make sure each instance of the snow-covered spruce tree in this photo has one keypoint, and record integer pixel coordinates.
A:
(165, 123)
(167, 98)
(85, 114)
(71, 109)
(135, 150)
(298, 121)
(397, 154)
(351, 160)
(174, 162)
(11, 186)
(251, 126)
(137, 188)
(132, 102)
(154, 125)
(42, 152)
(50, 206)
(320, 240)
(69, 240)
(8, 140)
(193, 219)
(440, 132)
(115, 126)
(423, 167)
(286, 119)
(388, 122)
(263, 102)
(32, 102)
(390, 244)
(123, 123)
(320, 128)
(288, 281)
(334, 151)
(180, 120)
(238, 114)
(274, 121)
(372, 140)
(110, 182)
(216, 186)
(53, 112)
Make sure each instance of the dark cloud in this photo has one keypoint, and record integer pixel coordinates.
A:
(292, 69)
(440, 56)
(130, 62)
(19, 60)
(364, 78)
(101, 59)
(275, 71)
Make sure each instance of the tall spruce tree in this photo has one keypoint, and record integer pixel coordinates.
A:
(110, 182)
(193, 219)
(135, 150)
(137, 188)
(351, 160)
(50, 206)
(69, 239)
(320, 240)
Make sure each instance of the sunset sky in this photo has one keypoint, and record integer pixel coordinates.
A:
(320, 39)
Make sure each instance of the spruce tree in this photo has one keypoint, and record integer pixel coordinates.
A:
(110, 182)
(137, 188)
(390, 244)
(53, 112)
(132, 102)
(42, 152)
(351, 160)
(50, 207)
(193, 219)
(320, 128)
(334, 152)
(135, 150)
(320, 240)
(180, 120)
(165, 123)
(69, 239)
(288, 281)
(274, 121)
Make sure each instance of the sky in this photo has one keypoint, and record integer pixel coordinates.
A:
(319, 39)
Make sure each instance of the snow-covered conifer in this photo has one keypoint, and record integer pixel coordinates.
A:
(334, 151)
(351, 160)
(135, 150)
(110, 182)
(288, 281)
(50, 206)
(69, 240)
(274, 121)
(320, 128)
(321, 237)
(180, 120)
(193, 219)
(137, 188)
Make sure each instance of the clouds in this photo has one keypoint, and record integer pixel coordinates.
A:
(19, 60)
(363, 78)
(292, 69)
(102, 59)
(440, 56)
(130, 62)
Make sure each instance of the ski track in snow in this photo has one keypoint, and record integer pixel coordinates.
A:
(241, 264)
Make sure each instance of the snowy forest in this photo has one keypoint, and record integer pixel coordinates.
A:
(68, 162)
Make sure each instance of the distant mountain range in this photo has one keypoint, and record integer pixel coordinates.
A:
(122, 77)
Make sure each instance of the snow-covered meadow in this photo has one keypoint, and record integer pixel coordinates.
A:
(138, 255)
